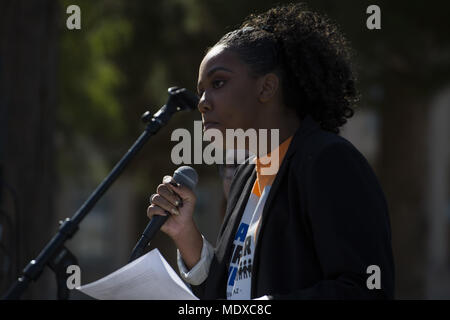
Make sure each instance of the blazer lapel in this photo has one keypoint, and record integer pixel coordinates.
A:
(307, 127)
(234, 215)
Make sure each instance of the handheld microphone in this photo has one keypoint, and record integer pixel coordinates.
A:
(186, 176)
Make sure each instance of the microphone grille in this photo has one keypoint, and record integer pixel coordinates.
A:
(186, 176)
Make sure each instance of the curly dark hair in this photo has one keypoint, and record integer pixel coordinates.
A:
(308, 53)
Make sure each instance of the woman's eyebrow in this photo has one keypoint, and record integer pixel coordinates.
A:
(210, 72)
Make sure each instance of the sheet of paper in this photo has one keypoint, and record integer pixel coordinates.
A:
(149, 277)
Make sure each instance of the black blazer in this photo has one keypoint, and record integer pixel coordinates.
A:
(324, 222)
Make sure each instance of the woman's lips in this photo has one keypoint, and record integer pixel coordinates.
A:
(210, 124)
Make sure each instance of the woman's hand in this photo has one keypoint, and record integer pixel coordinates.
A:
(179, 201)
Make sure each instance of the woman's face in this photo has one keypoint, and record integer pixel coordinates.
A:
(228, 94)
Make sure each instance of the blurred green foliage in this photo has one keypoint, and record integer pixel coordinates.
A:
(89, 74)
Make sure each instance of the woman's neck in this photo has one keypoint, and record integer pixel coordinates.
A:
(285, 121)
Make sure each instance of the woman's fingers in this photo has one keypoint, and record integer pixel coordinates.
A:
(164, 204)
(184, 193)
(165, 191)
(153, 210)
(174, 200)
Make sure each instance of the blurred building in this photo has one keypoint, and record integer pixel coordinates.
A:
(363, 131)
(438, 198)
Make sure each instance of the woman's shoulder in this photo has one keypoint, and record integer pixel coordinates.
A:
(328, 146)
(311, 140)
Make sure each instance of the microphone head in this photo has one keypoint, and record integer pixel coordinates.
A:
(186, 176)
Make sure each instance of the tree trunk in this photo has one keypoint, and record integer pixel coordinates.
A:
(28, 100)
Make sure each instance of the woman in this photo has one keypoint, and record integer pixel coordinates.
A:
(314, 228)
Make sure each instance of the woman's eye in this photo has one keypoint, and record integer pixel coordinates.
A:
(218, 83)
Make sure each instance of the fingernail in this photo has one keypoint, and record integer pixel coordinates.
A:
(167, 179)
(177, 203)
(175, 211)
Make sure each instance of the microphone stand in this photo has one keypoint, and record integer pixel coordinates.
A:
(55, 254)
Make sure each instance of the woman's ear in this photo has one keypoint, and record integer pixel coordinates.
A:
(268, 87)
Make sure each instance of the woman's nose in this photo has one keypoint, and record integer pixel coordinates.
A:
(203, 104)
